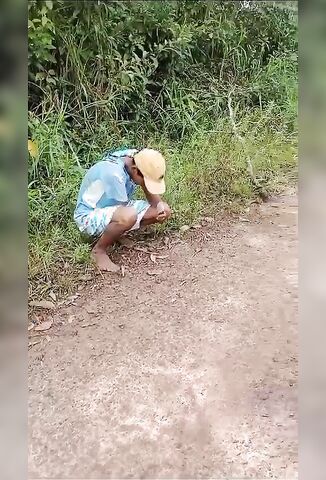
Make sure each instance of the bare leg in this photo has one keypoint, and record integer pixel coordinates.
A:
(123, 219)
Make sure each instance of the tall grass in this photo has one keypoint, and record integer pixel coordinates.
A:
(104, 75)
(207, 172)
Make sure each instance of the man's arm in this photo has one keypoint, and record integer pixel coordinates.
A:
(153, 200)
(156, 202)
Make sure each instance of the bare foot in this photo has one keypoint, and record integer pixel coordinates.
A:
(103, 262)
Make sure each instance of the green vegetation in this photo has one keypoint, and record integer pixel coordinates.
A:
(213, 85)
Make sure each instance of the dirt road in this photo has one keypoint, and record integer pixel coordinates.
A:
(190, 373)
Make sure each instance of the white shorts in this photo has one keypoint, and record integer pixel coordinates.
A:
(95, 222)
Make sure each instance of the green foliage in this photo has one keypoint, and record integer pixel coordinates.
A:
(105, 74)
(128, 61)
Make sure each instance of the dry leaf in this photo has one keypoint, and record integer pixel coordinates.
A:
(72, 298)
(153, 257)
(44, 326)
(30, 326)
(91, 310)
(53, 295)
(140, 249)
(154, 272)
(275, 205)
(162, 257)
(32, 148)
(184, 228)
(42, 304)
(85, 278)
(197, 225)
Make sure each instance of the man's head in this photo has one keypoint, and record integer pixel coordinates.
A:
(149, 168)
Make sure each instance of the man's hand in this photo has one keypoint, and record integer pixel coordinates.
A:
(161, 217)
(162, 213)
(163, 210)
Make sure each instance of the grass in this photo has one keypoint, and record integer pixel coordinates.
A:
(207, 172)
(212, 85)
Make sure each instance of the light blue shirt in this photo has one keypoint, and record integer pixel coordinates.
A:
(107, 183)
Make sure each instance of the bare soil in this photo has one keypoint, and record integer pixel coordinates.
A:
(186, 368)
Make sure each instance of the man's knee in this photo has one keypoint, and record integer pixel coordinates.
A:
(125, 216)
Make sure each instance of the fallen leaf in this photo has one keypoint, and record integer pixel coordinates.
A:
(154, 272)
(91, 310)
(42, 304)
(32, 148)
(162, 257)
(153, 257)
(72, 297)
(30, 327)
(197, 225)
(140, 249)
(184, 228)
(53, 295)
(85, 278)
(44, 326)
(166, 240)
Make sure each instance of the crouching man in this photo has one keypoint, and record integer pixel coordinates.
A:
(105, 207)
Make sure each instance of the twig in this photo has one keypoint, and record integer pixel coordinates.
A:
(143, 250)
(241, 140)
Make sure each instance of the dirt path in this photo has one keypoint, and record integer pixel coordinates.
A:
(188, 374)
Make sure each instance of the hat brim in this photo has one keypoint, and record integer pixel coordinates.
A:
(155, 187)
